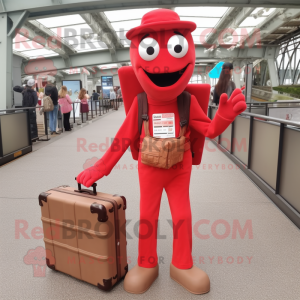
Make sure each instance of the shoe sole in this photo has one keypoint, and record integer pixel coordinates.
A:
(143, 291)
(188, 289)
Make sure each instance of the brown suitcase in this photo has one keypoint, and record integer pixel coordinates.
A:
(84, 234)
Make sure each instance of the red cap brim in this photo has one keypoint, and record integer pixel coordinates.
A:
(161, 26)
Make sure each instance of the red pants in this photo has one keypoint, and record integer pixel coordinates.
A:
(176, 183)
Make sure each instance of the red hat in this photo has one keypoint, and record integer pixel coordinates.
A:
(158, 20)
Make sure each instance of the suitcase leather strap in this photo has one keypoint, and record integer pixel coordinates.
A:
(116, 217)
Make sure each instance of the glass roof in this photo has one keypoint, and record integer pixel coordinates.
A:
(79, 35)
(61, 21)
(118, 15)
(216, 12)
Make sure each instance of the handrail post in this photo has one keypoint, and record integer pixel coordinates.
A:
(73, 113)
(250, 142)
(46, 124)
(280, 148)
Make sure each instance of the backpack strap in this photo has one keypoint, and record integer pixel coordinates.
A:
(143, 111)
(183, 104)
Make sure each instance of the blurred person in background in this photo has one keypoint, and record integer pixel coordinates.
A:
(51, 91)
(83, 97)
(224, 85)
(65, 103)
(112, 97)
(95, 95)
(119, 93)
(30, 99)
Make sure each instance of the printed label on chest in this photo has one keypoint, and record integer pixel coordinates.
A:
(163, 125)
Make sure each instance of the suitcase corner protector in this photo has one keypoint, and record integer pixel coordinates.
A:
(100, 210)
(52, 267)
(107, 285)
(124, 201)
(43, 197)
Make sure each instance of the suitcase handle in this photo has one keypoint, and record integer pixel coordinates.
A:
(93, 192)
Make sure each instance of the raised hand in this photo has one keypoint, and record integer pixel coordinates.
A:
(92, 174)
(231, 108)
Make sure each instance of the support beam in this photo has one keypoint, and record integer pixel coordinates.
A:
(47, 38)
(237, 69)
(231, 20)
(6, 54)
(18, 18)
(2, 7)
(96, 58)
(46, 8)
(271, 23)
(273, 72)
(103, 31)
(83, 78)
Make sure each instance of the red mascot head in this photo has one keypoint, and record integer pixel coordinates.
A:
(162, 53)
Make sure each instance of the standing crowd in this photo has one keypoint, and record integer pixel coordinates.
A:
(60, 100)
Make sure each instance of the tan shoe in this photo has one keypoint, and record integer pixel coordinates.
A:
(138, 280)
(194, 280)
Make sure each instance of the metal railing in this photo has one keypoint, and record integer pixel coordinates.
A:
(267, 150)
(263, 108)
(96, 108)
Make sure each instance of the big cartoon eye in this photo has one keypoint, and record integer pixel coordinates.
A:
(148, 49)
(178, 46)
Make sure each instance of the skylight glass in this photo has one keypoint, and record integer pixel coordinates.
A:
(72, 71)
(61, 21)
(72, 30)
(252, 22)
(266, 11)
(201, 11)
(89, 50)
(128, 14)
(39, 52)
(19, 38)
(109, 66)
(125, 25)
(201, 22)
(27, 45)
(242, 31)
(202, 31)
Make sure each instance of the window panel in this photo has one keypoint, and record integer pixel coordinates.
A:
(72, 30)
(201, 11)
(252, 22)
(202, 22)
(127, 14)
(61, 21)
(125, 25)
(39, 52)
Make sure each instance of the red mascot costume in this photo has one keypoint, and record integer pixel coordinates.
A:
(162, 54)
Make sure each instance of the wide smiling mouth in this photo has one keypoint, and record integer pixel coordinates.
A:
(165, 79)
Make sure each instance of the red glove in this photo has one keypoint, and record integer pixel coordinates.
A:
(231, 108)
(92, 174)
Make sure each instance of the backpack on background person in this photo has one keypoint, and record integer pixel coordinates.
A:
(48, 104)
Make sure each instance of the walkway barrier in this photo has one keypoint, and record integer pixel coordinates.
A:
(264, 108)
(95, 107)
(284, 109)
(15, 133)
(267, 150)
